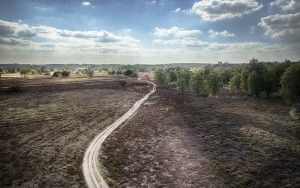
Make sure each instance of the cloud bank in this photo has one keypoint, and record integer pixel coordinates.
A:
(286, 5)
(215, 10)
(215, 34)
(174, 32)
(18, 35)
(282, 26)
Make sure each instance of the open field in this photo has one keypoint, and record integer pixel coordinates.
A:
(232, 141)
(45, 129)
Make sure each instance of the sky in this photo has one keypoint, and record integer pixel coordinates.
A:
(148, 31)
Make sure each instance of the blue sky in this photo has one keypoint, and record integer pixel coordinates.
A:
(148, 31)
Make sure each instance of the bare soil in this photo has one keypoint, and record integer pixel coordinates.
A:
(45, 129)
(227, 141)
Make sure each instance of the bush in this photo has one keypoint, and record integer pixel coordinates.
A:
(131, 73)
(57, 74)
(26, 71)
(89, 72)
(15, 89)
(254, 84)
(197, 82)
(183, 80)
(65, 74)
(123, 83)
(214, 83)
(235, 82)
(111, 72)
(290, 84)
(160, 76)
(294, 113)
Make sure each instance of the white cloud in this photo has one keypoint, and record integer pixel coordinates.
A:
(214, 10)
(176, 10)
(86, 3)
(14, 34)
(174, 32)
(215, 34)
(240, 50)
(285, 26)
(286, 5)
(184, 42)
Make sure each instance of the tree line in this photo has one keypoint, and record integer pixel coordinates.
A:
(255, 78)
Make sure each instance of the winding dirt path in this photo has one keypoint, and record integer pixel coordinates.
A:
(90, 165)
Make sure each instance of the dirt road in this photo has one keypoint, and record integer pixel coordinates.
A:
(90, 166)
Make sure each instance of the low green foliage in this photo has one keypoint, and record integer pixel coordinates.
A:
(294, 113)
(290, 83)
(89, 72)
(183, 80)
(198, 82)
(256, 78)
(161, 76)
(235, 82)
(214, 83)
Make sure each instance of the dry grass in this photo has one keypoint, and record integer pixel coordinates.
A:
(44, 134)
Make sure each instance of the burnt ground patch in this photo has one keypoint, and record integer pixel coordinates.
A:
(188, 141)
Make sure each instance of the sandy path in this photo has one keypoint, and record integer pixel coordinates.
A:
(90, 165)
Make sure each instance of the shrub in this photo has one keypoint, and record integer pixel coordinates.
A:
(128, 72)
(65, 74)
(294, 113)
(89, 72)
(235, 82)
(161, 76)
(25, 71)
(290, 83)
(183, 80)
(197, 82)
(123, 83)
(111, 72)
(214, 83)
(57, 74)
(254, 84)
(15, 89)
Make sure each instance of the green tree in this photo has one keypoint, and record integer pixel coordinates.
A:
(57, 74)
(183, 79)
(25, 71)
(172, 77)
(269, 79)
(225, 74)
(254, 84)
(89, 72)
(130, 72)
(65, 74)
(197, 82)
(235, 82)
(160, 76)
(290, 83)
(214, 83)
(1, 72)
(244, 79)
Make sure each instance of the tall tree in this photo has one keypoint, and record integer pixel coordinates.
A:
(244, 79)
(214, 83)
(235, 82)
(290, 83)
(254, 84)
(183, 79)
(269, 79)
(172, 77)
(197, 82)
(160, 76)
